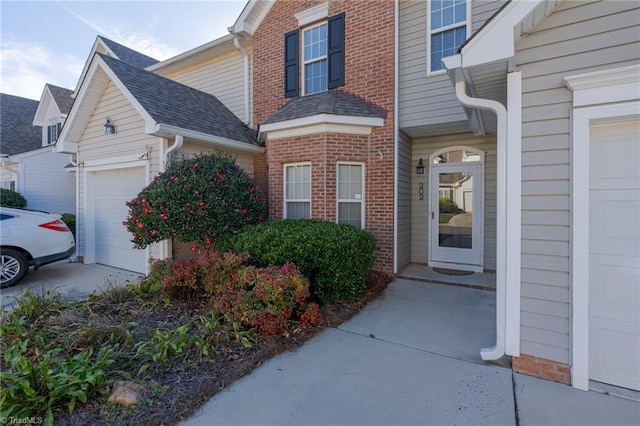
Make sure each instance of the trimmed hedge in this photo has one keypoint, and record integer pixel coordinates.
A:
(336, 258)
(10, 198)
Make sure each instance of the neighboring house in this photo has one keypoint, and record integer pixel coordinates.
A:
(523, 114)
(29, 164)
(153, 117)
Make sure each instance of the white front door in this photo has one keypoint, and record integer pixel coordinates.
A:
(456, 216)
(614, 254)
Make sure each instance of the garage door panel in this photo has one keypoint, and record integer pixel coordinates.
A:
(616, 227)
(614, 254)
(615, 154)
(615, 292)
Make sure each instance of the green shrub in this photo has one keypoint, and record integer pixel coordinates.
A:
(336, 258)
(70, 220)
(9, 198)
(448, 206)
(197, 199)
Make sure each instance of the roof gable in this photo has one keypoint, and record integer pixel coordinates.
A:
(166, 106)
(251, 17)
(17, 132)
(109, 47)
(60, 97)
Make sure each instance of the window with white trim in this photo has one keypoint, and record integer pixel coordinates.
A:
(53, 131)
(297, 191)
(447, 23)
(314, 52)
(350, 197)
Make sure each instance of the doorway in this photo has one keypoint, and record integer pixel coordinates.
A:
(456, 209)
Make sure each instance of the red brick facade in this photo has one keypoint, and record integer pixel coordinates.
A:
(541, 367)
(369, 74)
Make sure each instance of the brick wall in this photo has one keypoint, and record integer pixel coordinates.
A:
(369, 59)
(541, 367)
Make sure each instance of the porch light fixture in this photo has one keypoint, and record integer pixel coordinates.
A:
(420, 167)
(109, 127)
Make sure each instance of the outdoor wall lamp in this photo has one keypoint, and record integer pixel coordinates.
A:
(420, 167)
(109, 127)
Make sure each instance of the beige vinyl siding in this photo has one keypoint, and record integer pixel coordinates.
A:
(96, 145)
(243, 159)
(405, 169)
(222, 77)
(578, 37)
(428, 100)
(424, 147)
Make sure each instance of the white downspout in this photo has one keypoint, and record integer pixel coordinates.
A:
(245, 61)
(498, 350)
(165, 246)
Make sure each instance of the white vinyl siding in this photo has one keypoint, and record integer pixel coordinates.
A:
(427, 103)
(422, 148)
(578, 37)
(350, 190)
(297, 191)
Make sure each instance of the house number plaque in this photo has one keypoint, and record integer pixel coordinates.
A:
(421, 191)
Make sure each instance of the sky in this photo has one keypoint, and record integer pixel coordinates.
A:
(50, 41)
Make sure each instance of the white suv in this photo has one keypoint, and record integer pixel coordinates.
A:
(31, 238)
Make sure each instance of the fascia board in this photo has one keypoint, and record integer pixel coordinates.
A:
(205, 49)
(323, 119)
(496, 41)
(164, 129)
(243, 26)
(43, 105)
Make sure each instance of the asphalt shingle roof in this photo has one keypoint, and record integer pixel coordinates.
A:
(332, 101)
(17, 132)
(129, 56)
(62, 97)
(171, 103)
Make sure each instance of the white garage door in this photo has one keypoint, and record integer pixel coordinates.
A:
(614, 255)
(113, 246)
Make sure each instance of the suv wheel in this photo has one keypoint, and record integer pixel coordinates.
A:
(13, 267)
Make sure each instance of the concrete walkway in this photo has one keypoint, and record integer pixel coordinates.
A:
(73, 281)
(409, 358)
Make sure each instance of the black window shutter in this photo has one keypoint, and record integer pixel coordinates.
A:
(58, 132)
(291, 64)
(335, 52)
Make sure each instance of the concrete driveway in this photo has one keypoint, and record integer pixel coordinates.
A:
(74, 281)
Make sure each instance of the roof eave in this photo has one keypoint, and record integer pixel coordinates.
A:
(165, 130)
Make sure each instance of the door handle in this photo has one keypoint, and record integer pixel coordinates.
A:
(433, 215)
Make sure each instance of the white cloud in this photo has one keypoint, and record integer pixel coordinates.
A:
(140, 42)
(27, 67)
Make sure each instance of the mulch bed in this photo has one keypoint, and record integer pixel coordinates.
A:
(185, 386)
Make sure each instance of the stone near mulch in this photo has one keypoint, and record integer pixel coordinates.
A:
(126, 393)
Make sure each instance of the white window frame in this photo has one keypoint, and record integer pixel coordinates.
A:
(362, 195)
(304, 62)
(431, 32)
(54, 130)
(285, 200)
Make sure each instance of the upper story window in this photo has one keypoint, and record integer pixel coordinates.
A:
(53, 131)
(448, 22)
(319, 65)
(315, 58)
